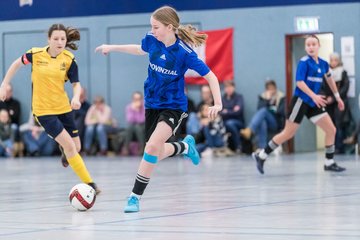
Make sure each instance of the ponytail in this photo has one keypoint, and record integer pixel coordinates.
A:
(72, 35)
(189, 34)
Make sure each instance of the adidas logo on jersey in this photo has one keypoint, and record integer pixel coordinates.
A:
(163, 57)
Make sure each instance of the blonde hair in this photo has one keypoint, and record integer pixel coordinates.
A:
(189, 34)
(337, 56)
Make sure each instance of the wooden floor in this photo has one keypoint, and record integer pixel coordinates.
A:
(219, 199)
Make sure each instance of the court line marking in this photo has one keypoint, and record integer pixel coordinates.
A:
(189, 213)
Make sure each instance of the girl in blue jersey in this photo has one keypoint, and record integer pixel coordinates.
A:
(165, 101)
(306, 102)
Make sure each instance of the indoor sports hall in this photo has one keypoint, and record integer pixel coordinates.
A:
(309, 185)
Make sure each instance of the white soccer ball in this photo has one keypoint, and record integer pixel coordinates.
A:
(82, 197)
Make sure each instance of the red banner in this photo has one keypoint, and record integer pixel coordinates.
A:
(217, 53)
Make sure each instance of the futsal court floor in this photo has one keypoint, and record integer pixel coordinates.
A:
(222, 198)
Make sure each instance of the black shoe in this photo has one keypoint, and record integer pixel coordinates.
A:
(259, 162)
(334, 168)
(64, 161)
(34, 154)
(95, 187)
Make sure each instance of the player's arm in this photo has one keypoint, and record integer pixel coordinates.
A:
(319, 100)
(75, 101)
(331, 82)
(76, 90)
(73, 76)
(128, 48)
(215, 90)
(15, 66)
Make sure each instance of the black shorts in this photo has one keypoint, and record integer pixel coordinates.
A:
(173, 118)
(298, 109)
(54, 124)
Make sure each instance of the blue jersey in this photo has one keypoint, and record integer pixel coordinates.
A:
(165, 84)
(312, 74)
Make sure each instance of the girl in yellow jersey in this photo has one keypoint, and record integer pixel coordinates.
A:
(52, 66)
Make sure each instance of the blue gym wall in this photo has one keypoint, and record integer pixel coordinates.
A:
(259, 48)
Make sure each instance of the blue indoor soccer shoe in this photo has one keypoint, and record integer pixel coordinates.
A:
(192, 153)
(132, 205)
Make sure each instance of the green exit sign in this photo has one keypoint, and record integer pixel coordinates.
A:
(307, 24)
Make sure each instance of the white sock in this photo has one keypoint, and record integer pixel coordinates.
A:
(135, 195)
(329, 162)
(263, 154)
(186, 148)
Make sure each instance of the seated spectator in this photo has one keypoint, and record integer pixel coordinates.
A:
(6, 142)
(135, 117)
(98, 124)
(81, 114)
(214, 131)
(36, 140)
(233, 114)
(354, 138)
(12, 105)
(270, 115)
(193, 125)
(341, 119)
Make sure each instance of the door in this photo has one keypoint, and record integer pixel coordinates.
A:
(308, 138)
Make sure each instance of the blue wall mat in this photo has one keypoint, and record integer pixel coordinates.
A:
(10, 9)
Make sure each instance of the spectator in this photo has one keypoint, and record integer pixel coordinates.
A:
(36, 140)
(135, 117)
(354, 138)
(233, 114)
(6, 143)
(99, 124)
(80, 115)
(270, 115)
(193, 125)
(12, 105)
(214, 131)
(341, 119)
(206, 97)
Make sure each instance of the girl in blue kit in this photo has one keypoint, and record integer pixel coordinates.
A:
(170, 55)
(306, 102)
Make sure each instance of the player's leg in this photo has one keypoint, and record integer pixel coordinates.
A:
(77, 142)
(74, 159)
(287, 133)
(297, 111)
(68, 122)
(54, 126)
(154, 149)
(186, 147)
(325, 123)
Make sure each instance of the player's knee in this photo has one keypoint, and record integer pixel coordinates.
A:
(331, 130)
(152, 148)
(78, 147)
(69, 146)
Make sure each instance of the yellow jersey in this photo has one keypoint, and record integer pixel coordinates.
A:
(49, 75)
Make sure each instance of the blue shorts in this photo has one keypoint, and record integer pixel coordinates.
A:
(54, 124)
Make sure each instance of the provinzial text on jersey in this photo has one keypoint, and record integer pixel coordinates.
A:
(162, 70)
